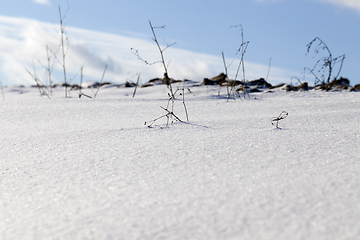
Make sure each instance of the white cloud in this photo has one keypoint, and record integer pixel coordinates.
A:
(45, 2)
(23, 40)
(352, 4)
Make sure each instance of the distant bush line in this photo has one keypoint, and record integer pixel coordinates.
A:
(252, 86)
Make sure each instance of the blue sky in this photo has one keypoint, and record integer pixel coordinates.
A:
(102, 32)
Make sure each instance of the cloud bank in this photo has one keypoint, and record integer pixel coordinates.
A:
(23, 45)
(44, 2)
(352, 4)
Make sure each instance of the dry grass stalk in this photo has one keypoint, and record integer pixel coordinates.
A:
(242, 49)
(2, 90)
(39, 84)
(80, 86)
(173, 95)
(49, 69)
(226, 73)
(136, 85)
(266, 80)
(102, 78)
(327, 62)
(183, 94)
(63, 50)
(282, 116)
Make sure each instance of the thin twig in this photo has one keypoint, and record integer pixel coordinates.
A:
(2, 90)
(62, 31)
(172, 114)
(136, 53)
(172, 94)
(49, 69)
(183, 94)
(39, 84)
(226, 73)
(100, 81)
(328, 62)
(282, 116)
(242, 49)
(296, 79)
(137, 83)
(266, 79)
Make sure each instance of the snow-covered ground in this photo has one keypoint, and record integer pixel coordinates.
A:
(84, 168)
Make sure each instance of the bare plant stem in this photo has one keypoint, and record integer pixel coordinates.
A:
(169, 115)
(100, 81)
(167, 80)
(80, 87)
(136, 85)
(296, 79)
(62, 34)
(328, 62)
(166, 75)
(244, 46)
(39, 84)
(171, 94)
(226, 73)
(183, 94)
(2, 90)
(81, 78)
(266, 79)
(49, 69)
(313, 73)
(242, 49)
(282, 116)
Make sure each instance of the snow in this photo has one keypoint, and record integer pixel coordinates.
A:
(85, 168)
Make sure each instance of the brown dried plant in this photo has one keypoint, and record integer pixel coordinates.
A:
(282, 116)
(172, 94)
(324, 65)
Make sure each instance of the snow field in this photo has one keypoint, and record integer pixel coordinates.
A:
(89, 168)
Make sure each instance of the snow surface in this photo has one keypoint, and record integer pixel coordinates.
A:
(84, 168)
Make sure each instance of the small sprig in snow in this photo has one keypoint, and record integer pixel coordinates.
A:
(282, 116)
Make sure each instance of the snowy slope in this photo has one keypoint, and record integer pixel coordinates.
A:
(75, 168)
